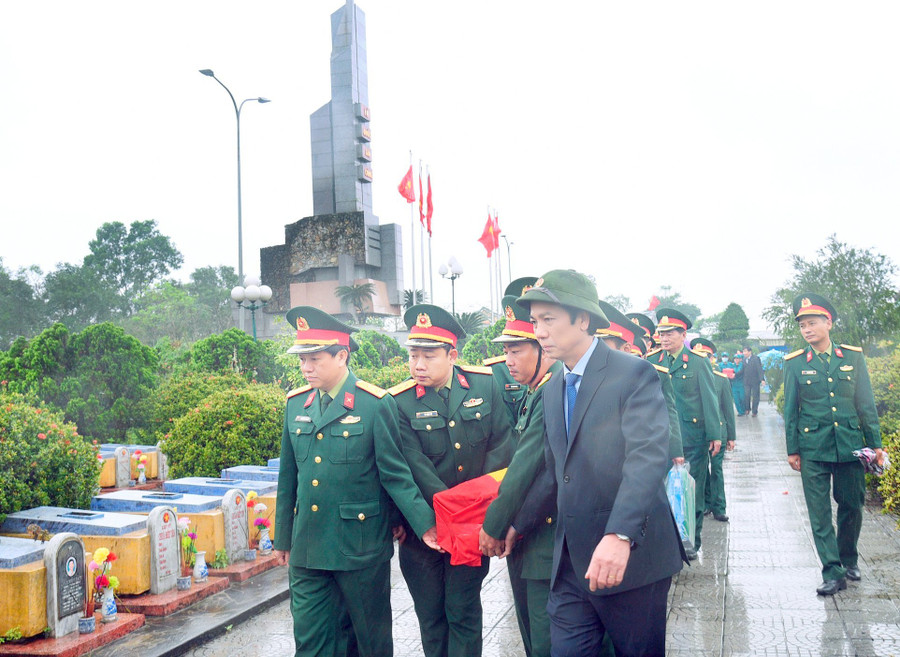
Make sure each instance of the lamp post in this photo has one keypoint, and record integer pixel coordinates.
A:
(451, 270)
(237, 113)
(508, 255)
(251, 292)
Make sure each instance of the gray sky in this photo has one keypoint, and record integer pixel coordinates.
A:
(696, 145)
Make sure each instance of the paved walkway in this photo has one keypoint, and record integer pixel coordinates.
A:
(752, 591)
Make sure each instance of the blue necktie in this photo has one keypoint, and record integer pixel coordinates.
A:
(571, 392)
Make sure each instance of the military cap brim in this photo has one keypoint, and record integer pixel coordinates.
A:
(431, 326)
(317, 331)
(671, 319)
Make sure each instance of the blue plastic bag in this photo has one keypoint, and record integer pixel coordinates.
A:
(681, 490)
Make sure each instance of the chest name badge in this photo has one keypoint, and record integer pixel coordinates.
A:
(808, 373)
(303, 418)
(423, 415)
(469, 403)
(513, 386)
(351, 419)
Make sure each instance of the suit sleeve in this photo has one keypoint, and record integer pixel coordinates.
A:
(423, 471)
(287, 490)
(500, 444)
(791, 409)
(865, 406)
(645, 428)
(393, 469)
(710, 401)
(540, 501)
(525, 465)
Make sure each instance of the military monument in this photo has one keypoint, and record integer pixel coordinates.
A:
(343, 242)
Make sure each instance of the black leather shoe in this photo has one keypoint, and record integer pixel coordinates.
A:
(690, 553)
(707, 512)
(721, 517)
(854, 574)
(832, 586)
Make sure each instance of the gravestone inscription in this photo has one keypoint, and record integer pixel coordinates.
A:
(66, 583)
(234, 511)
(162, 525)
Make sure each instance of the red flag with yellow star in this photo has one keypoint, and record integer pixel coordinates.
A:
(406, 186)
(488, 239)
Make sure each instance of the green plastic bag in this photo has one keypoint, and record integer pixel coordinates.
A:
(681, 491)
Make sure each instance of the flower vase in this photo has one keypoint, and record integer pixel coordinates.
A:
(265, 543)
(201, 571)
(142, 479)
(108, 610)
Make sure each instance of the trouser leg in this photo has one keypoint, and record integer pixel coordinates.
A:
(423, 570)
(520, 598)
(366, 595)
(817, 477)
(850, 495)
(316, 609)
(697, 454)
(715, 499)
(462, 606)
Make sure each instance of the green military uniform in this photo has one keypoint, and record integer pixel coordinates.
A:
(695, 398)
(341, 471)
(529, 564)
(676, 448)
(715, 483)
(829, 411)
(511, 390)
(448, 441)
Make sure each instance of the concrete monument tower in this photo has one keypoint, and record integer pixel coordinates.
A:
(343, 242)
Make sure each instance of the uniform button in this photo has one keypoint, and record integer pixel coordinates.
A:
(315, 482)
(346, 434)
(477, 416)
(835, 424)
(361, 516)
(314, 508)
(318, 459)
(298, 432)
(566, 478)
(695, 420)
(427, 427)
(805, 429)
(319, 436)
(831, 393)
(830, 380)
(460, 468)
(684, 376)
(808, 382)
(457, 445)
(834, 409)
(549, 520)
(452, 423)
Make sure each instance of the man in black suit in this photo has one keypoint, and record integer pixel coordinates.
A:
(607, 439)
(753, 376)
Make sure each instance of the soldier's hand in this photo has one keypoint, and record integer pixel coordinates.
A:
(489, 546)
(399, 533)
(678, 460)
(730, 446)
(794, 461)
(512, 537)
(714, 447)
(430, 539)
(282, 557)
(608, 563)
(879, 456)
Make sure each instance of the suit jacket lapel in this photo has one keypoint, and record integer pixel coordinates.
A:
(594, 374)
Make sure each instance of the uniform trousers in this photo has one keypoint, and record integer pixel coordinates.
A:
(635, 620)
(697, 454)
(715, 484)
(319, 600)
(530, 600)
(447, 599)
(847, 483)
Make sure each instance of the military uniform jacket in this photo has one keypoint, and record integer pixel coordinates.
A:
(449, 443)
(829, 410)
(527, 463)
(676, 449)
(339, 473)
(511, 390)
(695, 395)
(726, 406)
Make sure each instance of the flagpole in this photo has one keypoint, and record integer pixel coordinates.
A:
(412, 240)
(499, 276)
(491, 269)
(430, 267)
(421, 229)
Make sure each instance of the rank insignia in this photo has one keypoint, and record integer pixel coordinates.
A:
(684, 357)
(477, 401)
(838, 353)
(309, 399)
(420, 392)
(348, 401)
(462, 380)
(808, 353)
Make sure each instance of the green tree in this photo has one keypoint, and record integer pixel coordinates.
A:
(234, 350)
(669, 299)
(472, 322)
(356, 295)
(479, 345)
(619, 302)
(21, 307)
(858, 282)
(211, 287)
(733, 325)
(77, 298)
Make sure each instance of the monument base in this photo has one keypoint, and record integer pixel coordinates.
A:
(166, 603)
(74, 645)
(244, 570)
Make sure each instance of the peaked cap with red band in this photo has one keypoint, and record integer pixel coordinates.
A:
(518, 326)
(808, 304)
(317, 330)
(431, 326)
(702, 344)
(671, 319)
(620, 326)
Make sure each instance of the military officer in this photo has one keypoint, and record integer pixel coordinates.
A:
(829, 411)
(715, 483)
(529, 560)
(342, 469)
(695, 397)
(512, 391)
(649, 329)
(454, 427)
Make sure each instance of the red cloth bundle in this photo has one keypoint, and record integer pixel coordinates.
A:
(459, 512)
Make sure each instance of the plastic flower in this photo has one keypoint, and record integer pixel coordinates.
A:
(251, 504)
(113, 582)
(112, 557)
(137, 453)
(184, 522)
(93, 565)
(252, 495)
(100, 554)
(192, 536)
(143, 458)
(102, 582)
(261, 508)
(262, 522)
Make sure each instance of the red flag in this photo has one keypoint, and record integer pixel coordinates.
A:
(496, 231)
(459, 512)
(421, 198)
(487, 239)
(654, 302)
(406, 186)
(430, 206)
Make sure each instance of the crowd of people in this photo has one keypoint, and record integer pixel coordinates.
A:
(586, 412)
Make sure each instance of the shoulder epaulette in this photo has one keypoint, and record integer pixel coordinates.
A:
(702, 354)
(372, 389)
(664, 370)
(652, 352)
(724, 376)
(300, 390)
(487, 362)
(401, 387)
(794, 354)
(476, 369)
(851, 347)
(544, 380)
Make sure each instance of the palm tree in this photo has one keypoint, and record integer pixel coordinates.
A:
(471, 323)
(356, 296)
(412, 297)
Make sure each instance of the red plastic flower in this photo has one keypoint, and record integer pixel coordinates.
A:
(102, 582)
(112, 557)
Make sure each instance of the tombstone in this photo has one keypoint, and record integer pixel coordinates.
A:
(208, 486)
(237, 539)
(163, 466)
(15, 552)
(123, 467)
(165, 546)
(58, 520)
(66, 583)
(142, 501)
(274, 463)
(252, 472)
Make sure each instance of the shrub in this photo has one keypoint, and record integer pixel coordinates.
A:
(889, 483)
(885, 374)
(387, 376)
(479, 345)
(228, 428)
(43, 460)
(233, 350)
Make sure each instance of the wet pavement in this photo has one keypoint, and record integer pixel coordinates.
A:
(751, 592)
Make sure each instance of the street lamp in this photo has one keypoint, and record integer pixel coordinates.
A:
(508, 255)
(237, 112)
(455, 270)
(251, 292)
